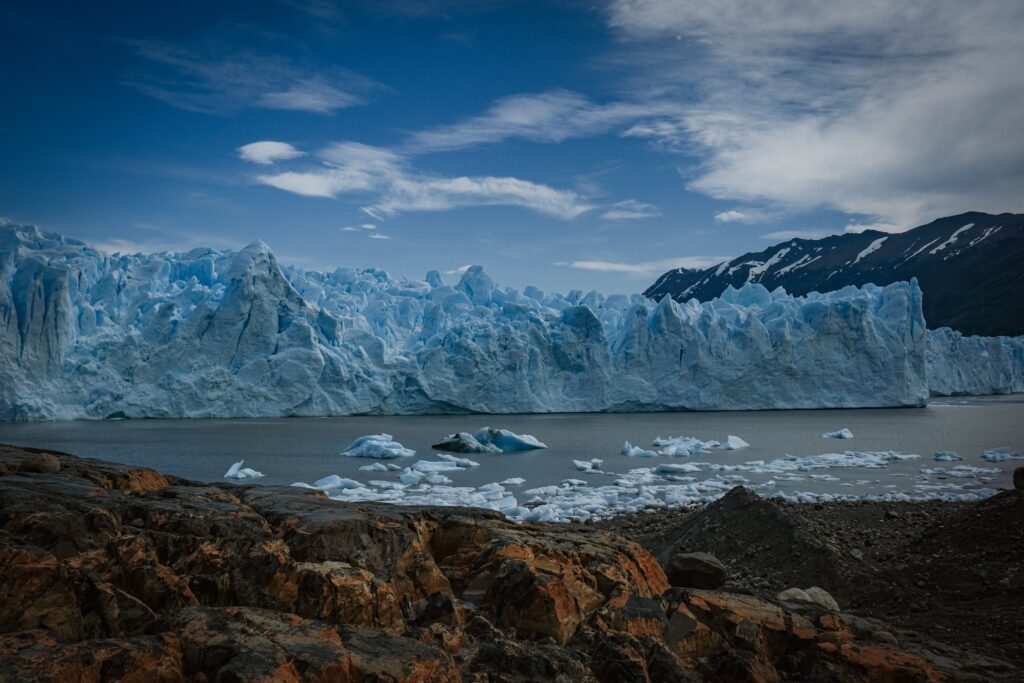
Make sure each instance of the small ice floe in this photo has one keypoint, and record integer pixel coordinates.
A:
(684, 446)
(513, 481)
(461, 462)
(381, 446)
(677, 468)
(236, 471)
(961, 472)
(1001, 455)
(588, 465)
(380, 467)
(947, 456)
(488, 440)
(733, 443)
(843, 433)
(333, 482)
(637, 452)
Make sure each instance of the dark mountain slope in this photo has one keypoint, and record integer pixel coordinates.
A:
(970, 268)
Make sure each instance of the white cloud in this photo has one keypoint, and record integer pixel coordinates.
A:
(551, 116)
(458, 271)
(645, 268)
(359, 228)
(896, 111)
(350, 167)
(631, 210)
(378, 236)
(738, 216)
(267, 152)
(211, 79)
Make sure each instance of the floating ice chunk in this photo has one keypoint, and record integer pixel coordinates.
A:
(683, 446)
(464, 442)
(733, 443)
(380, 467)
(378, 446)
(461, 462)
(508, 441)
(961, 471)
(947, 456)
(410, 477)
(588, 465)
(236, 471)
(843, 433)
(637, 452)
(437, 478)
(1001, 454)
(333, 481)
(514, 481)
(426, 466)
(677, 468)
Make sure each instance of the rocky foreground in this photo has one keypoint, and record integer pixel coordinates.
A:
(110, 572)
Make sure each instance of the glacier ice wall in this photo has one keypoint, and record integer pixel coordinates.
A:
(959, 365)
(217, 333)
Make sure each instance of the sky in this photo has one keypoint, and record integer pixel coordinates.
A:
(572, 145)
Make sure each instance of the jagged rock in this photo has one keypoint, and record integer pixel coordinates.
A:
(696, 570)
(1018, 478)
(272, 583)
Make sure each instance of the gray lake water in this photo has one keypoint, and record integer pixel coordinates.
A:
(306, 449)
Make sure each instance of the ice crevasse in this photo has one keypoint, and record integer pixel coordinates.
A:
(208, 333)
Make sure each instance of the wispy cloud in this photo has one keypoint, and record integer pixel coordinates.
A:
(393, 187)
(215, 80)
(549, 117)
(740, 216)
(838, 105)
(631, 210)
(267, 152)
(458, 271)
(378, 236)
(645, 268)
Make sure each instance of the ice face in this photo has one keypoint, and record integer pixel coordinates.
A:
(214, 333)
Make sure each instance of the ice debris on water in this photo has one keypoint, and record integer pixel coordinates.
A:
(236, 471)
(632, 451)
(381, 446)
(843, 433)
(947, 456)
(1001, 454)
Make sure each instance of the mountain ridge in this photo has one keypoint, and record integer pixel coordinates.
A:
(969, 267)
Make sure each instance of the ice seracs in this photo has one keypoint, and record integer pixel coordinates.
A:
(210, 333)
(381, 446)
(236, 471)
(843, 433)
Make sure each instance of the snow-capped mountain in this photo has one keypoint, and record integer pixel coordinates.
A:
(970, 268)
(207, 333)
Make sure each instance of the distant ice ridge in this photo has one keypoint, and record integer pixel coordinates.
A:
(974, 366)
(230, 334)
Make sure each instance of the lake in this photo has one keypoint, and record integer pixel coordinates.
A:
(292, 450)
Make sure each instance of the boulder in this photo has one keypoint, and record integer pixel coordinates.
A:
(1018, 479)
(696, 570)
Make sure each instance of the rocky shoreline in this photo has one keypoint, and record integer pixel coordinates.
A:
(117, 573)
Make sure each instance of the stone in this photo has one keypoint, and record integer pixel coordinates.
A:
(696, 570)
(822, 597)
(1018, 478)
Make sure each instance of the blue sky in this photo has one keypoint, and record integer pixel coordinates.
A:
(570, 145)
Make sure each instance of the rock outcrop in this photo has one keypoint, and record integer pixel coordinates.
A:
(110, 572)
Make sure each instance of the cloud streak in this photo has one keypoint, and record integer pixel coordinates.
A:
(645, 269)
(267, 152)
(214, 80)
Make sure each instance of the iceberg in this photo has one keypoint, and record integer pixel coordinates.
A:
(377, 446)
(218, 333)
(464, 442)
(843, 433)
(733, 443)
(506, 441)
(236, 471)
(947, 456)
(1001, 455)
(632, 451)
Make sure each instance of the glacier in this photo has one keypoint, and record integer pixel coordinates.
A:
(210, 333)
